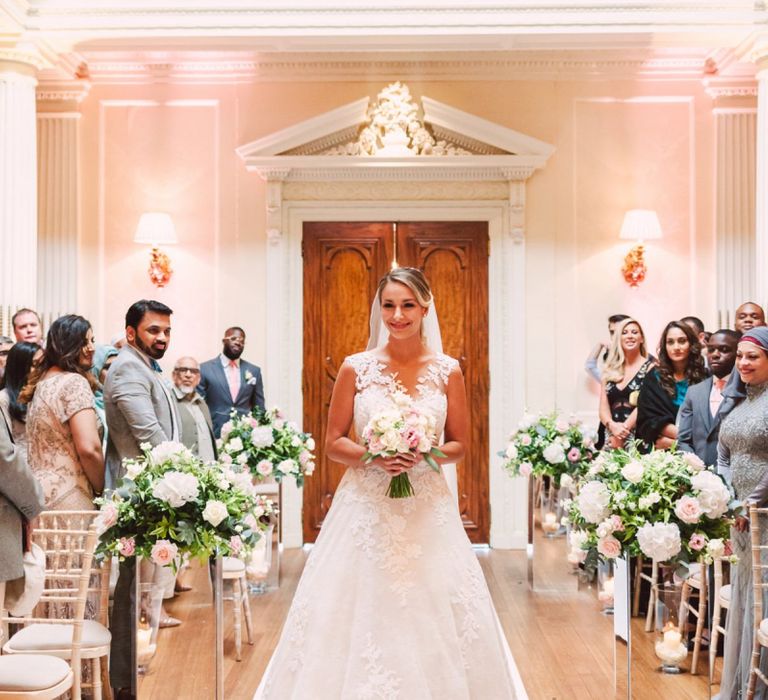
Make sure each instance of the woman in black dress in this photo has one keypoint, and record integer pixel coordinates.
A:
(625, 369)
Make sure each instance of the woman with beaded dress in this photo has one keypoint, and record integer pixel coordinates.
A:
(743, 452)
(392, 602)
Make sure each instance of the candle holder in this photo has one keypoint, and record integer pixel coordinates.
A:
(150, 602)
(670, 647)
(259, 564)
(605, 586)
(551, 510)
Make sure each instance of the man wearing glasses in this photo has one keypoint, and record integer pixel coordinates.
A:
(196, 425)
(228, 382)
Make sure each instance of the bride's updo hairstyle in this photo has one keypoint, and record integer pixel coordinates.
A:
(411, 277)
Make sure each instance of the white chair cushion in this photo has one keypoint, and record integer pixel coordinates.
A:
(233, 565)
(725, 594)
(45, 637)
(762, 633)
(28, 672)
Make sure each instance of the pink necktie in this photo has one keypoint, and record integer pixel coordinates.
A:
(717, 399)
(233, 379)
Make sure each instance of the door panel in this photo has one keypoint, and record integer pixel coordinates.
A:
(342, 265)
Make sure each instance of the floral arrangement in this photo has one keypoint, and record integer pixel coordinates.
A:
(170, 503)
(549, 445)
(397, 429)
(267, 444)
(664, 505)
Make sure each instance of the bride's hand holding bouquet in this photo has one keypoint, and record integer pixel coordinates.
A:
(397, 438)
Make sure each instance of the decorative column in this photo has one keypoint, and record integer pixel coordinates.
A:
(18, 182)
(761, 209)
(735, 112)
(58, 202)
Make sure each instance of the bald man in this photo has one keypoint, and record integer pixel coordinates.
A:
(748, 315)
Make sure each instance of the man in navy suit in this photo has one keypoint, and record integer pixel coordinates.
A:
(228, 382)
(707, 403)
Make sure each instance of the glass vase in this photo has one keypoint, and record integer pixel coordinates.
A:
(670, 646)
(606, 578)
(150, 602)
(551, 508)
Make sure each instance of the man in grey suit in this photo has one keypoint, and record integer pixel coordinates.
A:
(707, 403)
(21, 497)
(228, 382)
(140, 408)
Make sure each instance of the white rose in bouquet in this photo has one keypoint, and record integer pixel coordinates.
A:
(694, 462)
(264, 467)
(688, 509)
(650, 500)
(235, 445)
(716, 548)
(633, 471)
(554, 453)
(566, 481)
(169, 450)
(288, 466)
(214, 512)
(578, 538)
(713, 494)
(511, 452)
(659, 541)
(176, 489)
(133, 468)
(593, 500)
(226, 429)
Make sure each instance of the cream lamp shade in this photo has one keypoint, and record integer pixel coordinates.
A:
(155, 228)
(640, 225)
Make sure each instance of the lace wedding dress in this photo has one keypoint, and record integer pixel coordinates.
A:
(392, 603)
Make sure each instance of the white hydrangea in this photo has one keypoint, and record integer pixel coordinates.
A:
(659, 541)
(554, 453)
(176, 489)
(169, 451)
(593, 500)
(713, 494)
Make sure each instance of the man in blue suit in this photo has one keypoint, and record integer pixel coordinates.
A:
(228, 382)
(708, 402)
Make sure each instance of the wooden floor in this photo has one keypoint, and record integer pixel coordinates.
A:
(562, 643)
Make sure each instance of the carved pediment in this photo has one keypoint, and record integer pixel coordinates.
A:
(393, 137)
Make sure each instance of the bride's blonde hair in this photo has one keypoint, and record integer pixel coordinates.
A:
(411, 277)
(613, 370)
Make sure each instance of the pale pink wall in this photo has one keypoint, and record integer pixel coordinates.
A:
(620, 145)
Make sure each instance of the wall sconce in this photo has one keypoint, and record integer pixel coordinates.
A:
(638, 225)
(156, 229)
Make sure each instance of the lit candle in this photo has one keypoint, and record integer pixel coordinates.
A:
(672, 638)
(143, 639)
(258, 567)
(606, 594)
(550, 522)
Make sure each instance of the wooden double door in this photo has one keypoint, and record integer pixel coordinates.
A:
(343, 263)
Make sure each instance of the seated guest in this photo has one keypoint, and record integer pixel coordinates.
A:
(705, 406)
(743, 450)
(748, 316)
(62, 428)
(196, 425)
(5, 345)
(680, 365)
(27, 327)
(20, 360)
(625, 369)
(227, 382)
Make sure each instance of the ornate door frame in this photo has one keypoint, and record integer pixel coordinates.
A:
(506, 330)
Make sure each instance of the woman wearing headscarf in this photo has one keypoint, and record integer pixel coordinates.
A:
(743, 448)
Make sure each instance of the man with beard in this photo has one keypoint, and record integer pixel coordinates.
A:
(229, 382)
(196, 425)
(705, 404)
(140, 408)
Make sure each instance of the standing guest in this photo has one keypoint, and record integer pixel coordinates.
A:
(21, 499)
(20, 360)
(748, 316)
(5, 345)
(228, 382)
(680, 365)
(625, 370)
(599, 354)
(743, 450)
(102, 360)
(27, 327)
(705, 406)
(62, 428)
(697, 326)
(196, 424)
(140, 409)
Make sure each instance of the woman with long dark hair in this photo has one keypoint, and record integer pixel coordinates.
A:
(680, 365)
(21, 357)
(64, 442)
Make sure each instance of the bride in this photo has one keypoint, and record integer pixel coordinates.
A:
(392, 603)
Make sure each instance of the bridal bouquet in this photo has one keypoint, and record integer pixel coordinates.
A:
(664, 505)
(170, 503)
(549, 445)
(267, 444)
(402, 427)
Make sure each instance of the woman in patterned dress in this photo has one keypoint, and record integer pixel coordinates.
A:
(392, 602)
(64, 443)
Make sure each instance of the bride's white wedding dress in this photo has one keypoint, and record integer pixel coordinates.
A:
(392, 603)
